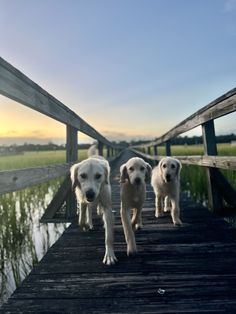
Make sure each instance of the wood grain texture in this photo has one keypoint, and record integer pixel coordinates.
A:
(14, 180)
(221, 162)
(194, 264)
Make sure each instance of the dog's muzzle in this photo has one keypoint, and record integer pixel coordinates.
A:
(90, 195)
(137, 181)
(168, 177)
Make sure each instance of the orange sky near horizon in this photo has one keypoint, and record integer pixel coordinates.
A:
(20, 124)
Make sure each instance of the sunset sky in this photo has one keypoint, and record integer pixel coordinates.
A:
(132, 69)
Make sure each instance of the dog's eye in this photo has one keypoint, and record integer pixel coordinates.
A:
(83, 175)
(164, 166)
(142, 168)
(98, 176)
(131, 169)
(172, 166)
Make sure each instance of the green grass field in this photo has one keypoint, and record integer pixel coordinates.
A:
(191, 150)
(36, 159)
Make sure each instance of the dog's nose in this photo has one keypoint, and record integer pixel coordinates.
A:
(168, 177)
(90, 195)
(137, 181)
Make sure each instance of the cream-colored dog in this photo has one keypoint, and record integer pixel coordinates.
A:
(93, 149)
(133, 177)
(90, 179)
(165, 182)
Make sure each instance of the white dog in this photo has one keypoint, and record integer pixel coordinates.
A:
(90, 179)
(93, 149)
(165, 182)
(133, 177)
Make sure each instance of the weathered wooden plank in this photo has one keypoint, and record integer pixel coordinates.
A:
(13, 180)
(159, 304)
(17, 86)
(71, 156)
(209, 143)
(221, 162)
(129, 286)
(57, 201)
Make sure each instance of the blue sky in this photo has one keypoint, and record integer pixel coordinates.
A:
(131, 68)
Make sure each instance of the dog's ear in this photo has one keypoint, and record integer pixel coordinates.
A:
(106, 171)
(123, 173)
(178, 167)
(148, 173)
(159, 166)
(73, 176)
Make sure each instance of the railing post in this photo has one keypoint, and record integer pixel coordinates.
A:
(155, 150)
(108, 152)
(100, 148)
(149, 150)
(168, 149)
(71, 156)
(210, 148)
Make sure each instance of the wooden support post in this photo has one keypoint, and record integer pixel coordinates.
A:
(149, 150)
(155, 150)
(108, 152)
(210, 148)
(168, 149)
(100, 148)
(71, 155)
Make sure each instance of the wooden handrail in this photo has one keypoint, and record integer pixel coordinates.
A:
(221, 106)
(17, 86)
(221, 162)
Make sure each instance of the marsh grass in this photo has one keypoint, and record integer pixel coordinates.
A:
(193, 178)
(23, 240)
(36, 159)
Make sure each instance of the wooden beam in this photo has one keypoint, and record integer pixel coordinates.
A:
(17, 86)
(221, 106)
(57, 201)
(14, 180)
(168, 149)
(209, 142)
(71, 156)
(221, 162)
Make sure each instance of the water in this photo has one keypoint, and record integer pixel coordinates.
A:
(23, 239)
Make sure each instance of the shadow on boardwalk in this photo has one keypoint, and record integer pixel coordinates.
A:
(194, 265)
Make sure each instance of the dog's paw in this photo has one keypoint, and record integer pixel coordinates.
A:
(131, 251)
(177, 222)
(167, 209)
(85, 227)
(159, 214)
(109, 258)
(138, 227)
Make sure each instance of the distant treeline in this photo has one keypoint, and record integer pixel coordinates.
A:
(180, 140)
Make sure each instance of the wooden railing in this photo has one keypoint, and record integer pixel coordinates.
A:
(218, 187)
(18, 87)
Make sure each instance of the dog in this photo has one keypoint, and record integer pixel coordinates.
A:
(166, 184)
(90, 180)
(134, 175)
(93, 149)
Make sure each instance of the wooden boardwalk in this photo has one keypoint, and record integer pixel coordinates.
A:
(194, 266)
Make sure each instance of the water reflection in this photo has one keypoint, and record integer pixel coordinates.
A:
(23, 240)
